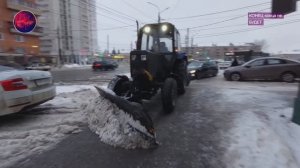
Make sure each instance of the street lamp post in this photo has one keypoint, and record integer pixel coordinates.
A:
(158, 9)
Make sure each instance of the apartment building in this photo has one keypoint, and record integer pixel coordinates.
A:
(69, 25)
(218, 51)
(15, 46)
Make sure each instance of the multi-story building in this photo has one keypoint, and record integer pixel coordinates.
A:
(69, 25)
(15, 46)
(218, 52)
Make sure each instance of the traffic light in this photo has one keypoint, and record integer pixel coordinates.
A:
(283, 6)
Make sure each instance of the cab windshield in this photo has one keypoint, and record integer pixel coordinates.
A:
(156, 40)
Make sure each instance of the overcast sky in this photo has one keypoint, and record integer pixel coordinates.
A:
(283, 38)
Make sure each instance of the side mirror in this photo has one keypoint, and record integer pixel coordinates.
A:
(248, 66)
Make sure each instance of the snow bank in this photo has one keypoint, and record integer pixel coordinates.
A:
(75, 66)
(73, 88)
(255, 144)
(36, 130)
(115, 127)
(263, 135)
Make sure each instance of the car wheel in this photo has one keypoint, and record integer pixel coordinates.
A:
(169, 95)
(235, 77)
(198, 76)
(288, 77)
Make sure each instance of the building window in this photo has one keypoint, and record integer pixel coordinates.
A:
(1, 36)
(19, 50)
(19, 38)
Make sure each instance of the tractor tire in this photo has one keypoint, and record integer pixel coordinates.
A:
(119, 85)
(169, 95)
(183, 79)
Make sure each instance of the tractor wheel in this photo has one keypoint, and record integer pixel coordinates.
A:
(183, 80)
(169, 94)
(119, 85)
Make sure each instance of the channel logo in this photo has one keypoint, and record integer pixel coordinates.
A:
(24, 21)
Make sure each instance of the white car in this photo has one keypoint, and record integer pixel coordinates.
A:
(39, 66)
(224, 64)
(20, 89)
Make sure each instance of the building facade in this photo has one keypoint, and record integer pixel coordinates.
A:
(15, 46)
(218, 52)
(69, 25)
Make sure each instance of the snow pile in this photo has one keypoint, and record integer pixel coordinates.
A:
(73, 88)
(263, 135)
(36, 130)
(75, 66)
(115, 127)
(255, 144)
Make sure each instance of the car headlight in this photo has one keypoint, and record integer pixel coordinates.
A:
(193, 71)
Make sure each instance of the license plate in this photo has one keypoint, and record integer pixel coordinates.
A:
(41, 82)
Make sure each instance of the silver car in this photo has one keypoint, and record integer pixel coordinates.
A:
(21, 89)
(271, 68)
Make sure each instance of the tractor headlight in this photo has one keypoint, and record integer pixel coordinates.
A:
(164, 28)
(147, 29)
(193, 71)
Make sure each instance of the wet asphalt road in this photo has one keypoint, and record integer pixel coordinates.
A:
(86, 74)
(192, 136)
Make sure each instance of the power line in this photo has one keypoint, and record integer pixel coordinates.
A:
(219, 12)
(247, 30)
(137, 9)
(221, 27)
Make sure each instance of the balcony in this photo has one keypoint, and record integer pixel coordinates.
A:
(38, 31)
(23, 5)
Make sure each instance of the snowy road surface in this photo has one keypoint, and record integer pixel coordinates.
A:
(215, 124)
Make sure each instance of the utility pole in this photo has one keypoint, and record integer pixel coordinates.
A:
(131, 46)
(58, 62)
(107, 44)
(296, 115)
(159, 11)
(192, 45)
(187, 39)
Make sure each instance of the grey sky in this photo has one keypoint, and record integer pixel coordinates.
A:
(283, 38)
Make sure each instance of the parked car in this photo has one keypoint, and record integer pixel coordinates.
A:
(38, 66)
(270, 68)
(224, 64)
(104, 65)
(20, 89)
(201, 69)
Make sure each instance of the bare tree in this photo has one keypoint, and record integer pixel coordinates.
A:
(262, 44)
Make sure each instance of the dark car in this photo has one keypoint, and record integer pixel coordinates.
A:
(104, 65)
(201, 69)
(271, 68)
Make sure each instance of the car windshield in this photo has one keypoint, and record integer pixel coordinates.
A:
(195, 64)
(5, 68)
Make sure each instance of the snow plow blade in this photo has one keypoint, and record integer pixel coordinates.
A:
(133, 109)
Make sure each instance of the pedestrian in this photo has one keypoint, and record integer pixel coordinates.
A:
(234, 62)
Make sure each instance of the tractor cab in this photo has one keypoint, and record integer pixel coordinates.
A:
(157, 50)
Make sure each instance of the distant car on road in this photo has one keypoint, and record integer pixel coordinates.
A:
(20, 89)
(104, 65)
(38, 66)
(271, 68)
(201, 69)
(224, 64)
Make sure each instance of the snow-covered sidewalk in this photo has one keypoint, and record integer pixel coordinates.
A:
(263, 135)
(36, 130)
